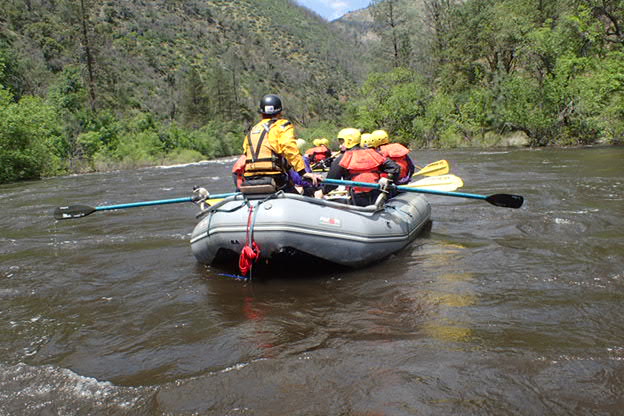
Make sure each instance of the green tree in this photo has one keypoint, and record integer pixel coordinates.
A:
(195, 104)
(392, 101)
(10, 76)
(29, 138)
(391, 26)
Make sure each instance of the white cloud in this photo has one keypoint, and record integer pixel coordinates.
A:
(339, 7)
(333, 9)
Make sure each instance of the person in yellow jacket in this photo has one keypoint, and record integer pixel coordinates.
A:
(271, 151)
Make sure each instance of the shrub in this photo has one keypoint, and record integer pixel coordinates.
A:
(29, 139)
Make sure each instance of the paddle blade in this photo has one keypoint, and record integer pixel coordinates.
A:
(73, 211)
(505, 200)
(447, 183)
(441, 167)
(213, 201)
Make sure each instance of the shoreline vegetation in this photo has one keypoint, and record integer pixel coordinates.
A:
(97, 86)
(35, 144)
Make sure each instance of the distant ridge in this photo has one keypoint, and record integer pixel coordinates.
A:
(357, 25)
(146, 54)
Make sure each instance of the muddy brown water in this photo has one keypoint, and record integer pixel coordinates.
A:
(493, 312)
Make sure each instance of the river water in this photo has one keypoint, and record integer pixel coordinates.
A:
(495, 311)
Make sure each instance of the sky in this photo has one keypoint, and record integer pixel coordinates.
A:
(333, 9)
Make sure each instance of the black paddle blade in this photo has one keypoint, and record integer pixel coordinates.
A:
(505, 200)
(73, 211)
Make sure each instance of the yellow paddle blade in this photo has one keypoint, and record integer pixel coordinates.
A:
(213, 201)
(340, 192)
(441, 167)
(444, 183)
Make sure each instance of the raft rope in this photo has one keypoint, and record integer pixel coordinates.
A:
(251, 251)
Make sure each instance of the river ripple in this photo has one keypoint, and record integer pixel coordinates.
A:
(495, 311)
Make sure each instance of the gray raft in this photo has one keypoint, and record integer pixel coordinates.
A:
(288, 223)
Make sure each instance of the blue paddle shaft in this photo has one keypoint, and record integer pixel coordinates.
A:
(158, 202)
(405, 189)
(144, 203)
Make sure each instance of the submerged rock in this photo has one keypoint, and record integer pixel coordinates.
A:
(515, 139)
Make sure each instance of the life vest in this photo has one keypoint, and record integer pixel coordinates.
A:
(398, 153)
(260, 157)
(238, 169)
(363, 166)
(318, 153)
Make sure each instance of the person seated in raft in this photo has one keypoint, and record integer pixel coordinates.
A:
(306, 160)
(361, 165)
(365, 141)
(302, 186)
(237, 172)
(395, 151)
(271, 150)
(317, 155)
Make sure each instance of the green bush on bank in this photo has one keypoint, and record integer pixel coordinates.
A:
(37, 138)
(580, 103)
(143, 141)
(29, 139)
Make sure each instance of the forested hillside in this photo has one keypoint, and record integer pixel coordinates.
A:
(123, 82)
(462, 73)
(95, 84)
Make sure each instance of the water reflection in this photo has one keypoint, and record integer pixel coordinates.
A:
(448, 293)
(450, 322)
(450, 331)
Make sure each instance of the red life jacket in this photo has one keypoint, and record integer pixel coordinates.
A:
(238, 169)
(363, 166)
(398, 153)
(318, 153)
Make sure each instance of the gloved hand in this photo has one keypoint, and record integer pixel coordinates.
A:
(384, 184)
(200, 194)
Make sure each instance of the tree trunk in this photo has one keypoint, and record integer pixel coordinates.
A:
(88, 54)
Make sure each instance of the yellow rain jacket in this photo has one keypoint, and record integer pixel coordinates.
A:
(271, 148)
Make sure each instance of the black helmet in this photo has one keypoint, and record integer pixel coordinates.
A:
(270, 104)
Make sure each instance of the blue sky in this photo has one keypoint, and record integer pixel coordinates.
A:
(333, 9)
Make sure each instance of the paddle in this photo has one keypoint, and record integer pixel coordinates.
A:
(499, 200)
(441, 167)
(445, 183)
(79, 211)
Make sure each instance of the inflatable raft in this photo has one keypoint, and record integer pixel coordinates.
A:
(294, 225)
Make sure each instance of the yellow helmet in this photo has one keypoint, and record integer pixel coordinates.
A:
(325, 141)
(316, 142)
(380, 137)
(300, 143)
(350, 136)
(367, 141)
